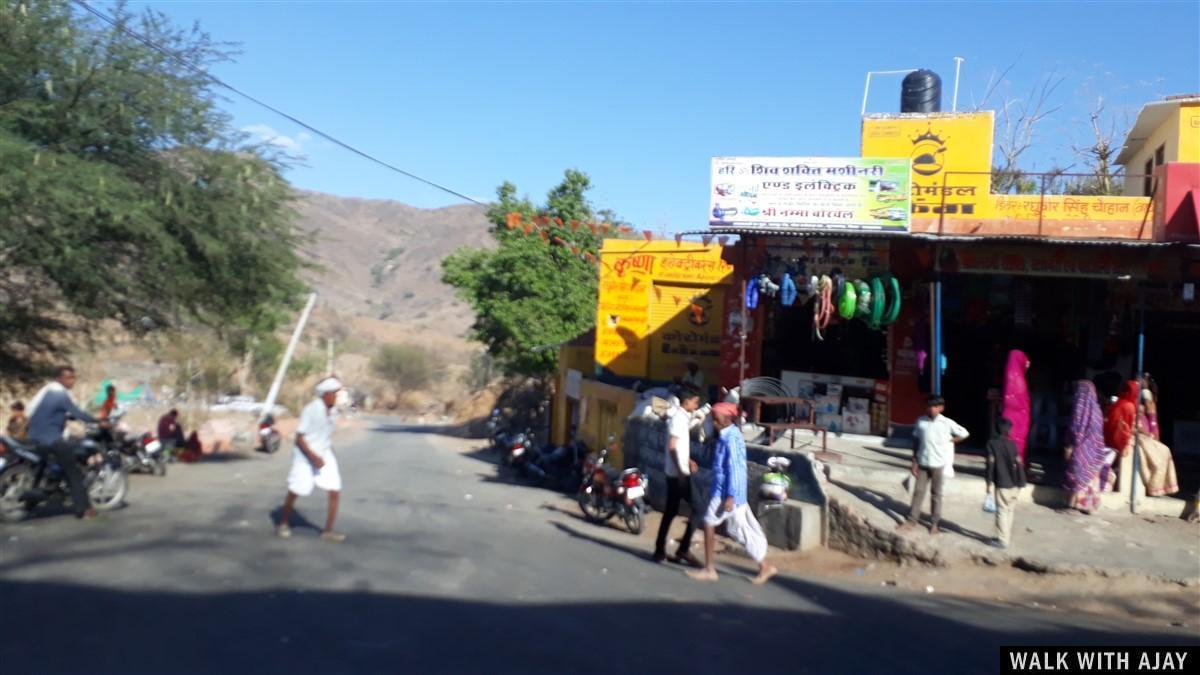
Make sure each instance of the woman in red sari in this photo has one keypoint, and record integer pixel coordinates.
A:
(1125, 425)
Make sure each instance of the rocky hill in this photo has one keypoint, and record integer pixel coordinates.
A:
(381, 259)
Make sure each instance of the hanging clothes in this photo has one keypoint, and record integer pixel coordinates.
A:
(788, 291)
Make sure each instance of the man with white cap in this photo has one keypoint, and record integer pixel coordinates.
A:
(313, 461)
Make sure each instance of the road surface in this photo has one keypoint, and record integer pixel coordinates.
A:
(448, 569)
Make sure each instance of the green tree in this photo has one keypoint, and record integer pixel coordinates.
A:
(125, 192)
(531, 294)
(404, 366)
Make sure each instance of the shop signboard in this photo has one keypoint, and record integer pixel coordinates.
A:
(811, 193)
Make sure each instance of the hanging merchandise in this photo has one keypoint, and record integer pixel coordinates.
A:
(878, 303)
(752, 295)
(893, 309)
(863, 310)
(822, 306)
(767, 287)
(848, 302)
(839, 281)
(788, 292)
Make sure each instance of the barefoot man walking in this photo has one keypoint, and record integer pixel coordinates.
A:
(313, 461)
(727, 501)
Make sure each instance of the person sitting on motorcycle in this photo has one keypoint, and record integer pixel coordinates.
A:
(18, 423)
(48, 414)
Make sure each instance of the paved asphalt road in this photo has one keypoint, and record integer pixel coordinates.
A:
(447, 569)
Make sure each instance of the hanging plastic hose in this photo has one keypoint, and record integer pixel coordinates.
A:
(878, 304)
(893, 308)
(752, 294)
(848, 302)
(863, 310)
(822, 306)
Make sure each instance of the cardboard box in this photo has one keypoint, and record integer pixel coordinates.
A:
(856, 423)
(834, 390)
(860, 406)
(830, 421)
(828, 405)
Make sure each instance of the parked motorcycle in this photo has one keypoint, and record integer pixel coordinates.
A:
(139, 452)
(28, 480)
(269, 439)
(559, 467)
(608, 492)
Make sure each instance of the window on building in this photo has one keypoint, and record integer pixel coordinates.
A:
(1148, 179)
(1160, 155)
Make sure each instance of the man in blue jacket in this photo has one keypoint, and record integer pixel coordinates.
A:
(48, 415)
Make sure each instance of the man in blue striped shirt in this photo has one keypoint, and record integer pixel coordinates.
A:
(728, 501)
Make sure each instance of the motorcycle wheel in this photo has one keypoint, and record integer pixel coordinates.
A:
(635, 517)
(108, 488)
(589, 504)
(14, 484)
(160, 466)
(273, 444)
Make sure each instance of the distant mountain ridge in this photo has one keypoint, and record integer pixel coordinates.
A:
(381, 259)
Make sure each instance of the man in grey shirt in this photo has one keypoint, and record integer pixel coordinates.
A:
(48, 415)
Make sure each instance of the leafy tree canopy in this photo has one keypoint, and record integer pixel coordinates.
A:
(531, 294)
(125, 192)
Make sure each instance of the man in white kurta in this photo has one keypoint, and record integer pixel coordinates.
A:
(313, 461)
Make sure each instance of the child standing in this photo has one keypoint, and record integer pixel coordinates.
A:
(1006, 477)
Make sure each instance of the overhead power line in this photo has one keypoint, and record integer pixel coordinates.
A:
(263, 104)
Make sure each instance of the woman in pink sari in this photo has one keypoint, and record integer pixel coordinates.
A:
(1016, 399)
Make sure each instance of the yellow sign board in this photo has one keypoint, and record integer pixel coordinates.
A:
(639, 281)
(941, 147)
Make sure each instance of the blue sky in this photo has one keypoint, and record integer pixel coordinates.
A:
(640, 96)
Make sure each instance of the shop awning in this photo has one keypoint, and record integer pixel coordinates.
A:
(825, 234)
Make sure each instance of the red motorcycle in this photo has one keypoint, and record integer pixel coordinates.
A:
(608, 492)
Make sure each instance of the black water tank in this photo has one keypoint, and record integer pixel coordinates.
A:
(921, 92)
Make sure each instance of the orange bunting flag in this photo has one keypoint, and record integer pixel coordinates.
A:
(634, 283)
(677, 299)
(723, 240)
(707, 239)
(560, 241)
(648, 235)
(545, 237)
(514, 220)
(678, 239)
(575, 225)
(592, 227)
(527, 227)
(575, 250)
(604, 228)
(625, 229)
(587, 255)
(558, 221)
(542, 221)
(658, 292)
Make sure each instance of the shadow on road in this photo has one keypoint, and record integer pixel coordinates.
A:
(360, 631)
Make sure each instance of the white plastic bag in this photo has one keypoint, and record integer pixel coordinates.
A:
(989, 503)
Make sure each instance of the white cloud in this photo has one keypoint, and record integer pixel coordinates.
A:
(261, 133)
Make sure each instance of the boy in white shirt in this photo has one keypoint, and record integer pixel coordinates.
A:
(933, 443)
(678, 466)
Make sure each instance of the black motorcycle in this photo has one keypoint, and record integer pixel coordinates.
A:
(27, 479)
(559, 467)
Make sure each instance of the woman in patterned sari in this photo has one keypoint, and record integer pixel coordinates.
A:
(1089, 470)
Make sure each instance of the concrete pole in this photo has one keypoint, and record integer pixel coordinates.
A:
(958, 61)
(287, 357)
(329, 356)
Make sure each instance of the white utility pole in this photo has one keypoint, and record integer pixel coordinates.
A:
(329, 356)
(287, 357)
(958, 61)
